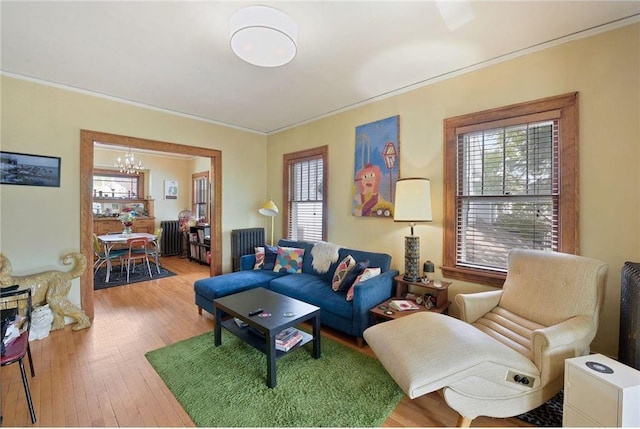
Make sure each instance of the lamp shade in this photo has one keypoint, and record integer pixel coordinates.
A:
(268, 209)
(263, 36)
(413, 200)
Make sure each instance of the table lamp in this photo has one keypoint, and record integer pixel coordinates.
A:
(412, 204)
(269, 209)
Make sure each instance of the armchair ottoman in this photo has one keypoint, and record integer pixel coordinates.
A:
(506, 356)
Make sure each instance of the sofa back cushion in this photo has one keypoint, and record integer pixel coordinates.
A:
(381, 260)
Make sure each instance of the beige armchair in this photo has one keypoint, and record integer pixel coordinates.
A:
(506, 356)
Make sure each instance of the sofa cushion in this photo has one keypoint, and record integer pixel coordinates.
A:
(307, 258)
(265, 257)
(341, 271)
(381, 260)
(259, 258)
(312, 289)
(219, 286)
(367, 274)
(351, 276)
(289, 260)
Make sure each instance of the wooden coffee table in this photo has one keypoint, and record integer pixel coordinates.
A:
(284, 313)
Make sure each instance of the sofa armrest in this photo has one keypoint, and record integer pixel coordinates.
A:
(555, 343)
(247, 262)
(368, 294)
(372, 292)
(472, 306)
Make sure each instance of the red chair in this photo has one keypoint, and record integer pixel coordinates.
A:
(17, 304)
(138, 250)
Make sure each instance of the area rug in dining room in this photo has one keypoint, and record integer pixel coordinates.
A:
(139, 275)
(226, 386)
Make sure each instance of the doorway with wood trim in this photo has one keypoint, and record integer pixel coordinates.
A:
(87, 140)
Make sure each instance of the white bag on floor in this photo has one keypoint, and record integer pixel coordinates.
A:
(41, 319)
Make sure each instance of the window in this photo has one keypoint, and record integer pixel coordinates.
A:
(112, 184)
(200, 197)
(305, 178)
(511, 180)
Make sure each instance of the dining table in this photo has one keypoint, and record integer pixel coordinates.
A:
(111, 240)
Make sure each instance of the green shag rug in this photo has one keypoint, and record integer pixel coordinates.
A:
(226, 386)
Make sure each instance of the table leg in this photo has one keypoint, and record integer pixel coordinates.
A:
(316, 336)
(217, 330)
(107, 251)
(271, 361)
(156, 254)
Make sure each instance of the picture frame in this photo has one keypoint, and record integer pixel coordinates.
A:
(29, 170)
(376, 168)
(171, 190)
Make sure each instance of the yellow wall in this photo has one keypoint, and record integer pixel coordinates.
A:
(38, 224)
(604, 69)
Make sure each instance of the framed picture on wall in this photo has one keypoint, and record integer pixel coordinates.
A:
(31, 170)
(377, 167)
(170, 190)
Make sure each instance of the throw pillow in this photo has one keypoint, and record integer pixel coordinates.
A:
(348, 280)
(270, 254)
(259, 258)
(289, 260)
(367, 274)
(341, 271)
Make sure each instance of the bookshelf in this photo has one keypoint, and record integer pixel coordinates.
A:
(200, 243)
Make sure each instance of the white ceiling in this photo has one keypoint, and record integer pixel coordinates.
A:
(176, 55)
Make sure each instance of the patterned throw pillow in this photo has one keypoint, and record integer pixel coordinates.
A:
(351, 276)
(270, 254)
(289, 260)
(341, 271)
(259, 258)
(367, 274)
(265, 257)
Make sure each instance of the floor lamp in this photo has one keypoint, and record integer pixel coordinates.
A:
(412, 204)
(269, 209)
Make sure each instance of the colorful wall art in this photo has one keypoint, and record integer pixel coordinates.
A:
(377, 167)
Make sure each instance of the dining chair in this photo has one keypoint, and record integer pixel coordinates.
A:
(98, 251)
(15, 306)
(154, 248)
(138, 250)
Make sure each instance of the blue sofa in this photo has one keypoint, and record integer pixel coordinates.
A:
(350, 317)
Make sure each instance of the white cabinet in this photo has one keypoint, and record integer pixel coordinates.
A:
(599, 391)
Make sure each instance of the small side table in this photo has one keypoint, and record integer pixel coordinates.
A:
(440, 293)
(380, 315)
(402, 286)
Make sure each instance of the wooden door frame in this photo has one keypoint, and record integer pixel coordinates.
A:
(87, 139)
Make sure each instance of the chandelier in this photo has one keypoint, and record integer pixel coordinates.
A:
(128, 164)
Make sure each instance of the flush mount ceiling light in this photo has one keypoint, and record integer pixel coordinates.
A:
(263, 36)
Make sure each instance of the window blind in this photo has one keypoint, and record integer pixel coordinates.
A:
(507, 192)
(305, 200)
(200, 185)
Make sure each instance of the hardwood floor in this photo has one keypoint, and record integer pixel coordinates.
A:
(100, 377)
